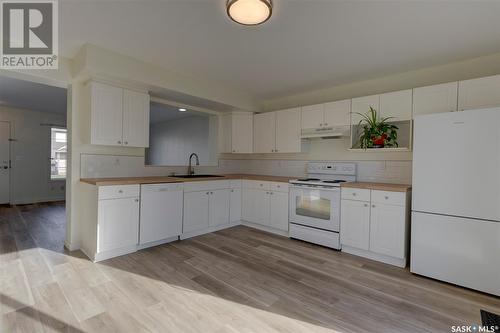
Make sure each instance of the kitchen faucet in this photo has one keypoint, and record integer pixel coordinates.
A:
(190, 167)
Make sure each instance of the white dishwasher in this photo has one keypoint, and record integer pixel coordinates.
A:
(161, 213)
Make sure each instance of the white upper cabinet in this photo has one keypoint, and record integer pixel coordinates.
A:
(288, 131)
(277, 132)
(435, 99)
(397, 104)
(312, 116)
(337, 113)
(264, 138)
(362, 105)
(118, 117)
(237, 133)
(106, 114)
(479, 93)
(135, 118)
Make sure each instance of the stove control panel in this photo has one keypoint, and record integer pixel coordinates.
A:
(331, 168)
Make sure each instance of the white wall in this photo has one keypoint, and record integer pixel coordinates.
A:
(172, 142)
(30, 152)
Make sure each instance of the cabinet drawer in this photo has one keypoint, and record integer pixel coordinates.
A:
(206, 185)
(118, 191)
(255, 184)
(389, 198)
(235, 183)
(358, 194)
(278, 186)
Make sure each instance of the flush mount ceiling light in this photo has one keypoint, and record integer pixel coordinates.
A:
(182, 110)
(249, 12)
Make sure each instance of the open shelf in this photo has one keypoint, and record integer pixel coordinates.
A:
(404, 138)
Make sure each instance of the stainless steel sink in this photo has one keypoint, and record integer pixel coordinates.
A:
(198, 176)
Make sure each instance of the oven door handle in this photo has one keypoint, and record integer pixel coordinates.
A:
(321, 188)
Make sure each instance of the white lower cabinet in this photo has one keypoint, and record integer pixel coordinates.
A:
(375, 224)
(235, 201)
(355, 224)
(265, 204)
(110, 216)
(206, 207)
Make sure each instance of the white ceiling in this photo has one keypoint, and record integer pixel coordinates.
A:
(32, 96)
(162, 112)
(308, 44)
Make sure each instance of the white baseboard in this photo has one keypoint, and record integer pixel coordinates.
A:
(375, 256)
(112, 253)
(195, 233)
(156, 243)
(71, 246)
(265, 228)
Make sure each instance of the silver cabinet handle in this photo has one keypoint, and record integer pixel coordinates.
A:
(136, 200)
(373, 206)
(120, 191)
(232, 190)
(271, 193)
(119, 142)
(354, 194)
(211, 192)
(208, 193)
(234, 151)
(366, 205)
(126, 142)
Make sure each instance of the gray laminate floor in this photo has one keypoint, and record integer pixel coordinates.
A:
(236, 280)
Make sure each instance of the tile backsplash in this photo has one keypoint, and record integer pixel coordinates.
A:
(101, 166)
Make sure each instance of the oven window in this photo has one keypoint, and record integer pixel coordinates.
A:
(313, 206)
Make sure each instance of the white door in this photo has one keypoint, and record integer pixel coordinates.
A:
(242, 133)
(4, 162)
(338, 113)
(362, 105)
(219, 207)
(479, 93)
(312, 116)
(355, 224)
(106, 114)
(135, 119)
(264, 137)
(456, 164)
(435, 99)
(387, 230)
(279, 211)
(288, 131)
(235, 205)
(118, 223)
(397, 104)
(195, 211)
(161, 212)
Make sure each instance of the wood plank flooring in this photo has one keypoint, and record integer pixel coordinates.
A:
(235, 280)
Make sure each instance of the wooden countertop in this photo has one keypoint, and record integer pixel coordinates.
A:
(173, 179)
(378, 186)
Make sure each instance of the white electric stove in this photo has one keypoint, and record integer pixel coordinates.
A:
(315, 203)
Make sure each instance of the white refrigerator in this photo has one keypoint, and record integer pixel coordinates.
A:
(455, 233)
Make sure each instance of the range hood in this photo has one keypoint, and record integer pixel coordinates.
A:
(332, 132)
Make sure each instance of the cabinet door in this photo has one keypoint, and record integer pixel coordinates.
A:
(225, 129)
(397, 104)
(106, 114)
(135, 119)
(362, 105)
(264, 137)
(195, 211)
(249, 204)
(435, 99)
(355, 224)
(288, 131)
(312, 116)
(479, 93)
(219, 207)
(338, 113)
(262, 206)
(279, 211)
(235, 205)
(242, 133)
(387, 230)
(118, 223)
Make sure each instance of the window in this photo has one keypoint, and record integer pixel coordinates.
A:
(58, 153)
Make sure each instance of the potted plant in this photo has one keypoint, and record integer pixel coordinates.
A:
(375, 132)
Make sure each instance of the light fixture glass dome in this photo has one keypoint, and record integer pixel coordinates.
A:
(249, 12)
